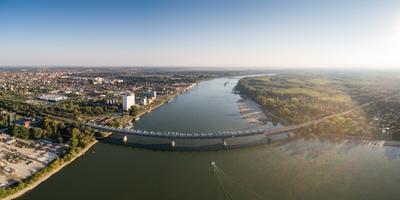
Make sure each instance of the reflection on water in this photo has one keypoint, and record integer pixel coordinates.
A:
(319, 146)
(296, 168)
(321, 168)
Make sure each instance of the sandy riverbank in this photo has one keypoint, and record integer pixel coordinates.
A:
(45, 177)
(251, 112)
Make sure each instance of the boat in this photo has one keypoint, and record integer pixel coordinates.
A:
(213, 166)
(213, 163)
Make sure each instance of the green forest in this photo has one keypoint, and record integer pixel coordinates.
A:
(294, 98)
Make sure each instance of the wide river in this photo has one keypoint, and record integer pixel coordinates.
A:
(295, 168)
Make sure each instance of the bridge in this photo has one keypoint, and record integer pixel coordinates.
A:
(208, 135)
(221, 134)
(180, 135)
(213, 135)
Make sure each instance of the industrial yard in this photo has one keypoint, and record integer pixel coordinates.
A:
(20, 159)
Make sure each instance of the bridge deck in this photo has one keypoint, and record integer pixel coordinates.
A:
(181, 135)
(222, 134)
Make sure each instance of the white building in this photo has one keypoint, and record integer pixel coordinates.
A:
(144, 101)
(128, 101)
(98, 80)
(52, 97)
(154, 96)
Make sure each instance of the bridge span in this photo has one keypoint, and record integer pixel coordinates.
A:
(182, 135)
(222, 134)
(209, 135)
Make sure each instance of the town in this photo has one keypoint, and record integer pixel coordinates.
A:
(85, 94)
(42, 109)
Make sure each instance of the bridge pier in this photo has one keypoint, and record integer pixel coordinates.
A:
(224, 143)
(269, 140)
(172, 143)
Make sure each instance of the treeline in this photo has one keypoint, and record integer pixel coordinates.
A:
(55, 130)
(18, 106)
(84, 107)
(5, 119)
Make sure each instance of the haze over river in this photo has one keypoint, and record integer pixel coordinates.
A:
(287, 169)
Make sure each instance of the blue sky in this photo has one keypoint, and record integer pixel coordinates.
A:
(280, 33)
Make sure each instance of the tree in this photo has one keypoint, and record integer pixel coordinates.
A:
(77, 115)
(19, 131)
(74, 141)
(46, 125)
(35, 133)
(134, 111)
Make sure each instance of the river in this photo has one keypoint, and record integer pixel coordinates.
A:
(295, 168)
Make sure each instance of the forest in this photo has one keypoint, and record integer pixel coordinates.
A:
(294, 98)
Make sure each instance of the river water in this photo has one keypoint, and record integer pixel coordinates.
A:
(295, 168)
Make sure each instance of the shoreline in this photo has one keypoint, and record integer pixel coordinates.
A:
(167, 100)
(47, 176)
(88, 147)
(252, 112)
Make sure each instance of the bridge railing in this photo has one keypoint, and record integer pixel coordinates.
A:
(169, 134)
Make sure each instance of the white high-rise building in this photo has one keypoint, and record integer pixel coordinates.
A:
(154, 96)
(128, 101)
(144, 101)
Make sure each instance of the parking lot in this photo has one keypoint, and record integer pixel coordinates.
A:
(20, 159)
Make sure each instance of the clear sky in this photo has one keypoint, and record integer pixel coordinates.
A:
(280, 33)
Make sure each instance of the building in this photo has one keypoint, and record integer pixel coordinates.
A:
(111, 101)
(144, 101)
(98, 80)
(154, 96)
(128, 101)
(23, 122)
(51, 98)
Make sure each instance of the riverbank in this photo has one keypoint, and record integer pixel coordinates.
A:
(164, 101)
(251, 112)
(49, 174)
